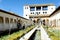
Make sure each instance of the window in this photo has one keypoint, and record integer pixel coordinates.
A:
(19, 20)
(44, 12)
(36, 13)
(15, 21)
(38, 8)
(7, 20)
(45, 8)
(1, 19)
(31, 13)
(27, 7)
(26, 15)
(39, 12)
(51, 8)
(32, 8)
(11, 20)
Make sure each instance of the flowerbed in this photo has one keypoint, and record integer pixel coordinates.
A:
(15, 35)
(54, 34)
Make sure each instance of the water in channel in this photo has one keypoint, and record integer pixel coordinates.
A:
(36, 35)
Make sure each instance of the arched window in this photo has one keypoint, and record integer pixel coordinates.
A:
(6, 20)
(34, 21)
(44, 22)
(11, 20)
(1, 19)
(15, 21)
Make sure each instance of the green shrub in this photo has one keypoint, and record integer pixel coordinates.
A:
(53, 34)
(15, 35)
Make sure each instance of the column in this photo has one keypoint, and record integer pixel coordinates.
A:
(4, 19)
(35, 8)
(41, 7)
(56, 22)
(41, 10)
(3, 25)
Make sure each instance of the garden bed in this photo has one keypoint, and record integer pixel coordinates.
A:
(16, 35)
(54, 34)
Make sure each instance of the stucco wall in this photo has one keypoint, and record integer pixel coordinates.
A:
(4, 25)
(56, 17)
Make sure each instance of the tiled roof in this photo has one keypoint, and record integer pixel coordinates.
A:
(11, 13)
(55, 11)
(39, 5)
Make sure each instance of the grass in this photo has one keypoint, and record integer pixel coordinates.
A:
(15, 35)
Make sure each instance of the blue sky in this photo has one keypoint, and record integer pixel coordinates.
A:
(16, 6)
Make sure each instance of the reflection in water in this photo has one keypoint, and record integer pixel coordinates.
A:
(36, 35)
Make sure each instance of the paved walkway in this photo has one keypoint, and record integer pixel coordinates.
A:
(44, 35)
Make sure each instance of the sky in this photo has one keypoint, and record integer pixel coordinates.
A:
(16, 6)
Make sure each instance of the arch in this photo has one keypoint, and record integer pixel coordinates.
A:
(6, 20)
(38, 20)
(1, 19)
(44, 22)
(34, 21)
(15, 21)
(47, 22)
(11, 20)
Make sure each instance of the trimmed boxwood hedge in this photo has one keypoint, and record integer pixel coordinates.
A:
(52, 33)
(16, 35)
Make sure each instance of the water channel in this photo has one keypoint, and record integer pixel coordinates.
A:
(36, 35)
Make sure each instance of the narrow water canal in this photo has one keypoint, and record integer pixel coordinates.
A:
(36, 35)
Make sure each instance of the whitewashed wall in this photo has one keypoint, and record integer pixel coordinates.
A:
(56, 17)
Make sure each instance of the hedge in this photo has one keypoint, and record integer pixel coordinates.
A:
(16, 35)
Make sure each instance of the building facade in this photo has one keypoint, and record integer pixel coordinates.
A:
(38, 9)
(9, 21)
(47, 13)
(54, 19)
